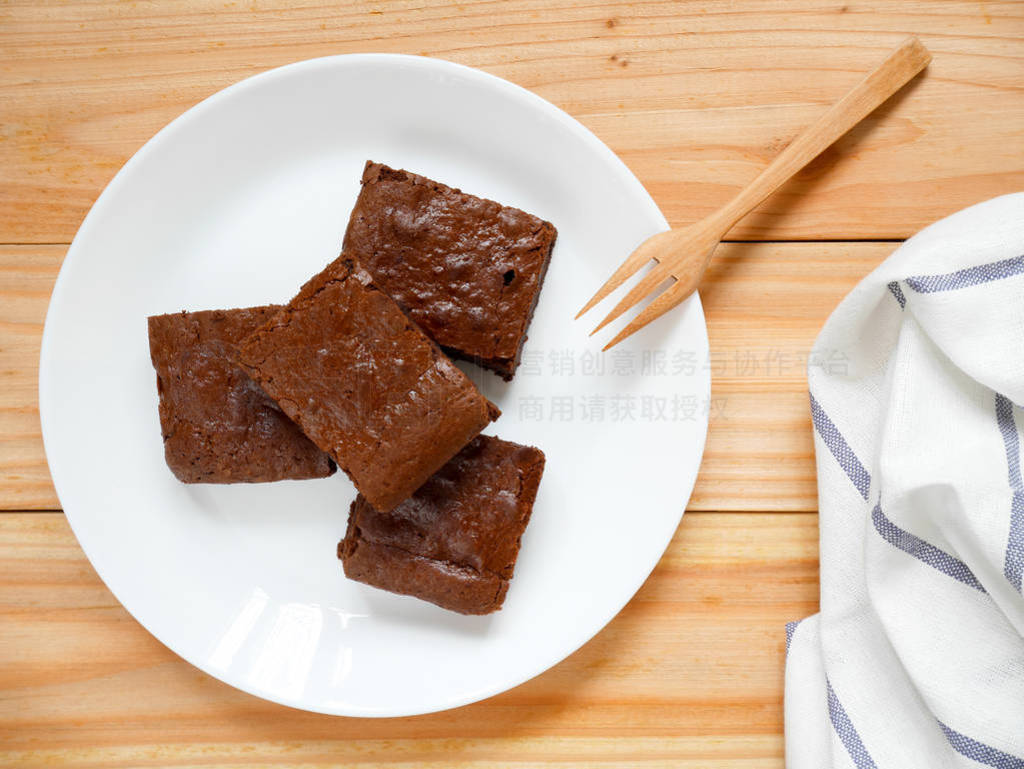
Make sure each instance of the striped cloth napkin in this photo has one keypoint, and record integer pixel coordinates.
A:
(916, 658)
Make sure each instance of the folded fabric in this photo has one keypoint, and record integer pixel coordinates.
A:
(916, 658)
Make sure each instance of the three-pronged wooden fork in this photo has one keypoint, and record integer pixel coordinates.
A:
(682, 255)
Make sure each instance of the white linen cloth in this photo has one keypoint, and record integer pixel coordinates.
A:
(916, 658)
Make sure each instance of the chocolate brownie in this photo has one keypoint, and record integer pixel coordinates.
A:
(455, 541)
(467, 270)
(365, 383)
(218, 425)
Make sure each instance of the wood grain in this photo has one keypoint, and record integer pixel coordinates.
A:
(697, 98)
(764, 302)
(688, 675)
(27, 275)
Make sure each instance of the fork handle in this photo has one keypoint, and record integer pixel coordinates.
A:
(909, 58)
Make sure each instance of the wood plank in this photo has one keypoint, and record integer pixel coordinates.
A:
(764, 302)
(688, 675)
(27, 275)
(695, 97)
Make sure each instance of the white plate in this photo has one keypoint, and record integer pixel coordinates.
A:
(236, 203)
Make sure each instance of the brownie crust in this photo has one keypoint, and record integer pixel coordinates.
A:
(455, 541)
(365, 383)
(468, 270)
(218, 426)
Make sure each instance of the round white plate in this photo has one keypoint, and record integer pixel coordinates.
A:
(239, 201)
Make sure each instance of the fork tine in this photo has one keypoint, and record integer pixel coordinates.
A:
(665, 301)
(647, 284)
(625, 271)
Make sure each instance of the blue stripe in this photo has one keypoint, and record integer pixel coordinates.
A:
(890, 532)
(1013, 567)
(840, 449)
(790, 629)
(896, 291)
(846, 731)
(978, 751)
(923, 551)
(971, 276)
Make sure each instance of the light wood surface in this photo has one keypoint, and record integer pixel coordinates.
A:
(689, 671)
(697, 98)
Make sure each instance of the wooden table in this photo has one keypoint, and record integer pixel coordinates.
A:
(696, 98)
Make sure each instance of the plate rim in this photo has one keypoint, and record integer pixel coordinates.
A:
(196, 111)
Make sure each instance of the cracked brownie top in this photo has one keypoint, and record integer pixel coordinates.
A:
(218, 426)
(467, 270)
(365, 384)
(455, 541)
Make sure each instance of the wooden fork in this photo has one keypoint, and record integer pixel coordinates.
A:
(682, 255)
